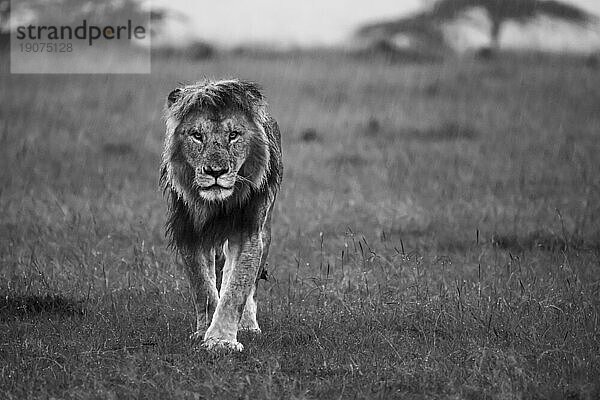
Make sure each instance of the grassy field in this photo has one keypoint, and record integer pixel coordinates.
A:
(437, 235)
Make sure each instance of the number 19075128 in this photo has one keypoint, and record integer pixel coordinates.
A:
(46, 47)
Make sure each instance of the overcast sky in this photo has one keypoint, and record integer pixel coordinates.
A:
(331, 22)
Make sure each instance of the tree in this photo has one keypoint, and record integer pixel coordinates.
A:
(55, 11)
(4, 14)
(419, 25)
(4, 26)
(498, 11)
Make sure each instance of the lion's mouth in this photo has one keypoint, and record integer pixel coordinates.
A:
(215, 192)
(216, 186)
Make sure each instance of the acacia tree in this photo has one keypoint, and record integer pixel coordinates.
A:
(498, 11)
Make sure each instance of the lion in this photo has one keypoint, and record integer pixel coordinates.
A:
(221, 171)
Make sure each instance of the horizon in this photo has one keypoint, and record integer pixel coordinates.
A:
(331, 23)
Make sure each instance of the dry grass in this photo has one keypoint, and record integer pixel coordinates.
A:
(436, 236)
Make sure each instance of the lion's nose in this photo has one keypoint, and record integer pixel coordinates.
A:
(215, 172)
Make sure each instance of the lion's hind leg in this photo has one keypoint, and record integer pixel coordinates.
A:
(219, 265)
(249, 321)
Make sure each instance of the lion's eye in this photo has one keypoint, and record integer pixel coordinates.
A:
(196, 135)
(234, 135)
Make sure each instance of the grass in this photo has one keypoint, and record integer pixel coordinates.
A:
(436, 235)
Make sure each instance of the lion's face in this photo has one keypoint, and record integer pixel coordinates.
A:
(214, 147)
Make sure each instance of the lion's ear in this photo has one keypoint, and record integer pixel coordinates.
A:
(173, 97)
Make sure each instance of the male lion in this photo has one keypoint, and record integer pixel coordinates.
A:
(221, 170)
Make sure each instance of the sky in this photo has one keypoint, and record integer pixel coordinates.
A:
(306, 23)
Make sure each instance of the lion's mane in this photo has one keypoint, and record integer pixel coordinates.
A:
(193, 221)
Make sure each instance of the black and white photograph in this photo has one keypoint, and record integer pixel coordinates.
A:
(327, 199)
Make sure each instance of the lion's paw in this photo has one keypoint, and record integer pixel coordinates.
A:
(214, 344)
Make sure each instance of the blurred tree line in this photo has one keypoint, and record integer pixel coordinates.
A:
(428, 25)
(64, 12)
(61, 12)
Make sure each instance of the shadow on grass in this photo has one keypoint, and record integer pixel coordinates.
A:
(349, 159)
(310, 135)
(118, 149)
(542, 240)
(447, 131)
(25, 306)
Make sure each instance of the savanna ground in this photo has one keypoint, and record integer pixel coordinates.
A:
(436, 236)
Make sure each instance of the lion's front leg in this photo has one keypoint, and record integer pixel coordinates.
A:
(200, 268)
(249, 322)
(241, 270)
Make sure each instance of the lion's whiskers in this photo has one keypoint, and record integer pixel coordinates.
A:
(243, 179)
